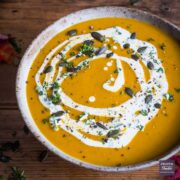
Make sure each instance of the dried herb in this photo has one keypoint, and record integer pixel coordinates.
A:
(17, 174)
(26, 130)
(4, 158)
(43, 156)
(13, 146)
(15, 44)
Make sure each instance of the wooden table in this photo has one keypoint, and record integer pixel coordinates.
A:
(25, 19)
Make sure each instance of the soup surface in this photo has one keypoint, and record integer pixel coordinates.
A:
(106, 91)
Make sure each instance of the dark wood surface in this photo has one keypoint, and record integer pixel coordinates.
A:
(25, 19)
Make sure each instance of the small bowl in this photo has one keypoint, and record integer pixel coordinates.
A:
(51, 31)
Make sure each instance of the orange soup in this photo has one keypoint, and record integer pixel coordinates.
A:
(106, 91)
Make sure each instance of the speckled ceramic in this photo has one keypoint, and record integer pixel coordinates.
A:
(50, 32)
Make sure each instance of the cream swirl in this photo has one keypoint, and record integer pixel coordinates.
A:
(126, 123)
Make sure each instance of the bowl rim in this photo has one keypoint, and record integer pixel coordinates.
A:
(23, 105)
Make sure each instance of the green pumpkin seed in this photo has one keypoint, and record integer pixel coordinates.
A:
(141, 49)
(126, 46)
(101, 125)
(133, 35)
(58, 113)
(48, 69)
(113, 133)
(129, 92)
(150, 65)
(157, 105)
(148, 99)
(101, 51)
(88, 42)
(72, 32)
(135, 57)
(98, 36)
(109, 55)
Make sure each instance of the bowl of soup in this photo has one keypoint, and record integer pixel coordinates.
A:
(100, 88)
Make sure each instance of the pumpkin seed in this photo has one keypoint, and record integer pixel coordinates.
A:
(101, 51)
(88, 42)
(109, 55)
(43, 156)
(58, 113)
(135, 57)
(157, 105)
(98, 36)
(148, 99)
(133, 35)
(141, 49)
(48, 69)
(113, 133)
(150, 65)
(126, 46)
(101, 125)
(129, 92)
(72, 32)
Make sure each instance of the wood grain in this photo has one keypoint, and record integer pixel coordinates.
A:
(25, 19)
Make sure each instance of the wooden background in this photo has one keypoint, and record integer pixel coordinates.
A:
(25, 19)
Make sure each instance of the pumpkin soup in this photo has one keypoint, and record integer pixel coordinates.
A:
(106, 91)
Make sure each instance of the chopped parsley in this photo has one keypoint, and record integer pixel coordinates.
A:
(160, 70)
(117, 70)
(55, 99)
(87, 49)
(140, 127)
(144, 112)
(168, 97)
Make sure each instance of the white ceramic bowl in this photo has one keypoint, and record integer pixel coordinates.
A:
(50, 32)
